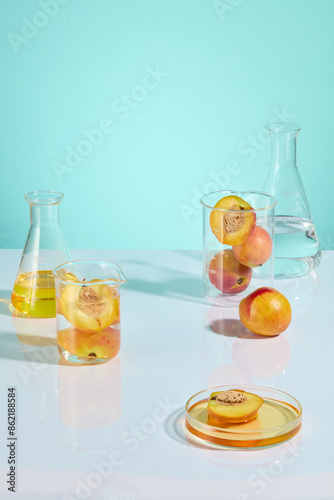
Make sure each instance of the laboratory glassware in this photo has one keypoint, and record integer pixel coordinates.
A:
(34, 289)
(297, 250)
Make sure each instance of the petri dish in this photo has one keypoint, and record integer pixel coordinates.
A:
(278, 420)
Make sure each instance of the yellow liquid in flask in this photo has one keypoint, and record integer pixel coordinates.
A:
(34, 294)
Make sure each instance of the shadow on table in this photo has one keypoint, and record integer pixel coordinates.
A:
(173, 283)
(228, 327)
(32, 339)
(13, 348)
(5, 302)
(182, 288)
(224, 456)
(174, 427)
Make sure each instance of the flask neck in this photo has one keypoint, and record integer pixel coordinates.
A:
(283, 148)
(44, 215)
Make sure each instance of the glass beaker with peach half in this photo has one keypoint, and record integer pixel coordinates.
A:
(88, 310)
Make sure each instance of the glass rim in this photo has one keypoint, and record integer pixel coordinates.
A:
(283, 127)
(238, 193)
(89, 282)
(44, 197)
(247, 388)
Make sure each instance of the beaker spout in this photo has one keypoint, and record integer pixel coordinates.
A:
(89, 272)
(119, 279)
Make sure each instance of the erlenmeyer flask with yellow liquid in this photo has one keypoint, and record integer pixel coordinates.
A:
(34, 289)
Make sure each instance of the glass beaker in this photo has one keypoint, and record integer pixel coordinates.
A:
(88, 310)
(236, 265)
(297, 250)
(34, 289)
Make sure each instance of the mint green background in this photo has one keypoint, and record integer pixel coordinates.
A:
(230, 71)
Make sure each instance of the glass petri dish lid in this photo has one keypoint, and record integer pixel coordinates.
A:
(278, 420)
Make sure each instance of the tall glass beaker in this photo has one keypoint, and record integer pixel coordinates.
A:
(237, 245)
(34, 289)
(297, 250)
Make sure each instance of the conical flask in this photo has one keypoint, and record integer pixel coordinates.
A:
(34, 289)
(296, 246)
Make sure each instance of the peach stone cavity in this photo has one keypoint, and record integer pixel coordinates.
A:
(230, 397)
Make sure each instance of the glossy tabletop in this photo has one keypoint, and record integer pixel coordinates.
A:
(115, 431)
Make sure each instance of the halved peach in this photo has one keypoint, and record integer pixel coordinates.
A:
(91, 308)
(230, 222)
(102, 345)
(233, 406)
(66, 276)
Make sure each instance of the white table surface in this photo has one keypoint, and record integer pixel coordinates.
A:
(76, 421)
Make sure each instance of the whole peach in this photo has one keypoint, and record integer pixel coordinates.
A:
(227, 274)
(256, 250)
(265, 312)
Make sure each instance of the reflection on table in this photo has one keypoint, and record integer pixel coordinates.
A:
(90, 404)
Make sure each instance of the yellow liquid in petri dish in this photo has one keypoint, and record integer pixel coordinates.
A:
(275, 422)
(34, 294)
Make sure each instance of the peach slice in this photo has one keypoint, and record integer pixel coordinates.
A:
(265, 312)
(232, 227)
(90, 308)
(256, 250)
(227, 274)
(66, 276)
(233, 406)
(102, 345)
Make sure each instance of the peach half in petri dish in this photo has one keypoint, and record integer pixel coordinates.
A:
(248, 417)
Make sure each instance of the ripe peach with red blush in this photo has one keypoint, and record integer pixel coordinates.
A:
(101, 345)
(230, 220)
(227, 274)
(265, 312)
(256, 250)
